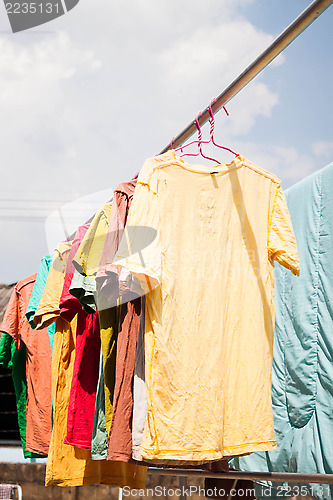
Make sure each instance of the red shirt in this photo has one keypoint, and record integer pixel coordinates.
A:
(81, 408)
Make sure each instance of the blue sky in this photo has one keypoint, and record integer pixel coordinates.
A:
(305, 81)
(86, 98)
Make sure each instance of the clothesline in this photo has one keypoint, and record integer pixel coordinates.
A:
(304, 20)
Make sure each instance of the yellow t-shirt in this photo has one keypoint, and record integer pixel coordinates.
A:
(202, 242)
(86, 261)
(89, 253)
(66, 464)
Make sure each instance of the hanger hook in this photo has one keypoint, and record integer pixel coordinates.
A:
(199, 131)
(211, 110)
(212, 119)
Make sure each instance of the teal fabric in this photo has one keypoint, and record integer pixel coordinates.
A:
(99, 442)
(84, 289)
(302, 377)
(37, 293)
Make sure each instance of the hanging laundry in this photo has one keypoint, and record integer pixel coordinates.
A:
(140, 409)
(81, 407)
(118, 373)
(16, 360)
(38, 366)
(302, 377)
(106, 275)
(109, 321)
(209, 324)
(99, 441)
(84, 289)
(152, 305)
(89, 253)
(36, 295)
(68, 465)
(86, 262)
(120, 435)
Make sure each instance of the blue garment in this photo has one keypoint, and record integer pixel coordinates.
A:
(302, 376)
(37, 293)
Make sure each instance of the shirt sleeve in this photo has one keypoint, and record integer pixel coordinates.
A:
(7, 350)
(69, 306)
(88, 255)
(38, 289)
(115, 231)
(282, 245)
(49, 306)
(10, 323)
(139, 248)
(107, 275)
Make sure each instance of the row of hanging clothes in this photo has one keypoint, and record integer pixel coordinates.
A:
(158, 316)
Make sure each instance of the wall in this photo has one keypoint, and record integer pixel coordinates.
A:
(31, 478)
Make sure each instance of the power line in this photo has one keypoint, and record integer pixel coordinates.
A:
(46, 210)
(27, 218)
(43, 201)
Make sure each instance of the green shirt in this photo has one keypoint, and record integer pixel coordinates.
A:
(15, 360)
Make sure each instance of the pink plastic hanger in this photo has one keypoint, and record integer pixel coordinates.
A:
(181, 148)
(204, 142)
(200, 141)
(212, 127)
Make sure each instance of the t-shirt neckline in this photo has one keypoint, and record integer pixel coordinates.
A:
(209, 169)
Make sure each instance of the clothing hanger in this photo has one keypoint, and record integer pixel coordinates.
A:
(200, 141)
(212, 127)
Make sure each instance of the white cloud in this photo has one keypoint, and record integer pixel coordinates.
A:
(288, 163)
(82, 107)
(73, 101)
(214, 52)
(36, 88)
(323, 148)
(204, 61)
(30, 76)
(256, 99)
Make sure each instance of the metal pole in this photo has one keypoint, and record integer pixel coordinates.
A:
(289, 34)
(291, 477)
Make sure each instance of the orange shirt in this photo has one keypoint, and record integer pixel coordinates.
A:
(38, 366)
